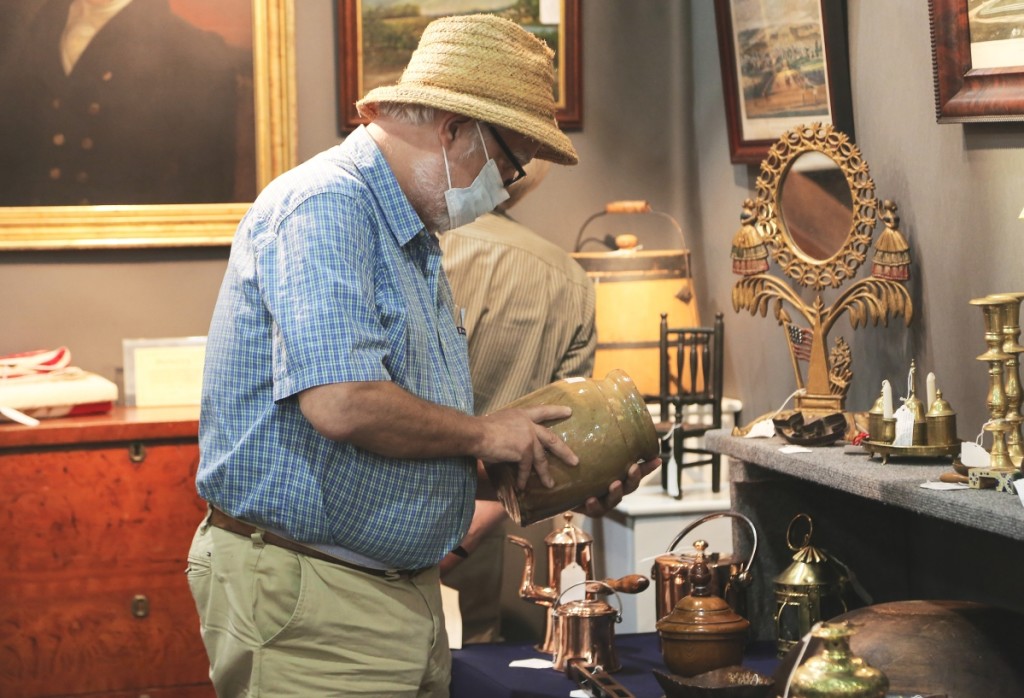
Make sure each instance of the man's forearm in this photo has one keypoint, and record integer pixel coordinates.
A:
(383, 418)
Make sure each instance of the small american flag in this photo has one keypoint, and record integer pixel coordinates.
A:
(800, 338)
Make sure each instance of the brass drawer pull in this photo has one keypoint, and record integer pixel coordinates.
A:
(140, 606)
(136, 451)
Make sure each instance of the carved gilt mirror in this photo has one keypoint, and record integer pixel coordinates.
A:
(815, 215)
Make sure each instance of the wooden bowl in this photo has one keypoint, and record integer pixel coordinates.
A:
(954, 648)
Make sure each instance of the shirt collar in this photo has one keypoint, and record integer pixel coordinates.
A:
(402, 220)
(85, 12)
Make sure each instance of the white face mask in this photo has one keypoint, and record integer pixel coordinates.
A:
(467, 204)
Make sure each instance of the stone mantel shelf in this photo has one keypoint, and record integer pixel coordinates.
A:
(896, 483)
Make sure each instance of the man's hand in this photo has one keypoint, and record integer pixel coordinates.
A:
(518, 436)
(599, 506)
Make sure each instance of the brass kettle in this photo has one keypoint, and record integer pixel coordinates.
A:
(570, 544)
(586, 628)
(730, 575)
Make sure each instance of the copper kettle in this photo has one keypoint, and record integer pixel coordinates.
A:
(565, 546)
(586, 628)
(730, 576)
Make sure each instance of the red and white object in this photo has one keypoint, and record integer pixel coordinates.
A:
(29, 363)
(42, 384)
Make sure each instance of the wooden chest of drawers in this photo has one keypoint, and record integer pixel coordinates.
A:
(98, 513)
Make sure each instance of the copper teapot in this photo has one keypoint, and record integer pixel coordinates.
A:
(566, 546)
(702, 632)
(586, 628)
(730, 575)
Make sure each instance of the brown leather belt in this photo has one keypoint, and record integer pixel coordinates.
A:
(221, 520)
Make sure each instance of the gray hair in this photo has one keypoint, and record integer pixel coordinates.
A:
(412, 114)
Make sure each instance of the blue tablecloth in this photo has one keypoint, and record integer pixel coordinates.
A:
(482, 671)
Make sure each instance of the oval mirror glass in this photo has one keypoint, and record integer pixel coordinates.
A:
(816, 205)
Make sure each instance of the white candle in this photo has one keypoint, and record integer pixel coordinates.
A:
(930, 383)
(886, 400)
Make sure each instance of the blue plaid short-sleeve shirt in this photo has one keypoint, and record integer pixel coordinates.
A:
(332, 278)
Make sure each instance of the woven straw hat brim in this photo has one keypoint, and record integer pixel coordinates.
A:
(554, 145)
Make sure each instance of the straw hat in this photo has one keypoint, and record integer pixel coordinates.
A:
(487, 68)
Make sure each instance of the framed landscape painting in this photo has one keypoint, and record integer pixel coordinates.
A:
(375, 39)
(978, 57)
(784, 63)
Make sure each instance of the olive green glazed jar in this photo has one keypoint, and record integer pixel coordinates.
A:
(609, 430)
(836, 672)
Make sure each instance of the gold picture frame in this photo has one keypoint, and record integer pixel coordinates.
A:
(183, 225)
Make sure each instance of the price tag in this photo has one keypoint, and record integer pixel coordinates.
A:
(1019, 486)
(572, 576)
(765, 429)
(904, 427)
(973, 455)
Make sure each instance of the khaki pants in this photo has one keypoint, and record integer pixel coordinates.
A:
(278, 624)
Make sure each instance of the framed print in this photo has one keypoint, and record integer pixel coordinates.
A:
(375, 39)
(978, 57)
(155, 130)
(784, 63)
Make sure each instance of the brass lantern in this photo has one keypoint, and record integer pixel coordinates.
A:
(811, 589)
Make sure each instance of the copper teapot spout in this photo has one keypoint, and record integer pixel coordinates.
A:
(528, 591)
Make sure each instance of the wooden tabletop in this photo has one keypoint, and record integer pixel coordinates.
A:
(120, 424)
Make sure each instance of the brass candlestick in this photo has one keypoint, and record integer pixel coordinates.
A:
(1011, 374)
(999, 459)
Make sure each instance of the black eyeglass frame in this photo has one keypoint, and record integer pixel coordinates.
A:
(520, 172)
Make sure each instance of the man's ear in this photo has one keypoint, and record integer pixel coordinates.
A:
(449, 126)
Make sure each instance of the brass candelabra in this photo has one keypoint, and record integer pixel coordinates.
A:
(1001, 314)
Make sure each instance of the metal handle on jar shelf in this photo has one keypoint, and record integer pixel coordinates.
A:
(717, 515)
(606, 585)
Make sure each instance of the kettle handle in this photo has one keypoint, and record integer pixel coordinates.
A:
(606, 585)
(640, 207)
(717, 515)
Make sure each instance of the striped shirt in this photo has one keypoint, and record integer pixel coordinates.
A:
(333, 278)
(529, 309)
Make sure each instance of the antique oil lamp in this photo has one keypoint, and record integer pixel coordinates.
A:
(836, 672)
(811, 589)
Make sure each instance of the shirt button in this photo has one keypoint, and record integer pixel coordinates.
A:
(54, 173)
(87, 143)
(94, 108)
(58, 139)
(108, 76)
(82, 177)
(55, 103)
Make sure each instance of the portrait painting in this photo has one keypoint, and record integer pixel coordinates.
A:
(376, 38)
(121, 112)
(114, 102)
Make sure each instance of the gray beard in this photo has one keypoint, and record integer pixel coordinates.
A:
(429, 186)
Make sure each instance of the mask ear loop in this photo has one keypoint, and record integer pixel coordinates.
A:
(444, 153)
(447, 172)
(482, 141)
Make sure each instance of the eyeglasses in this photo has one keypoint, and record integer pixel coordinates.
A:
(520, 172)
